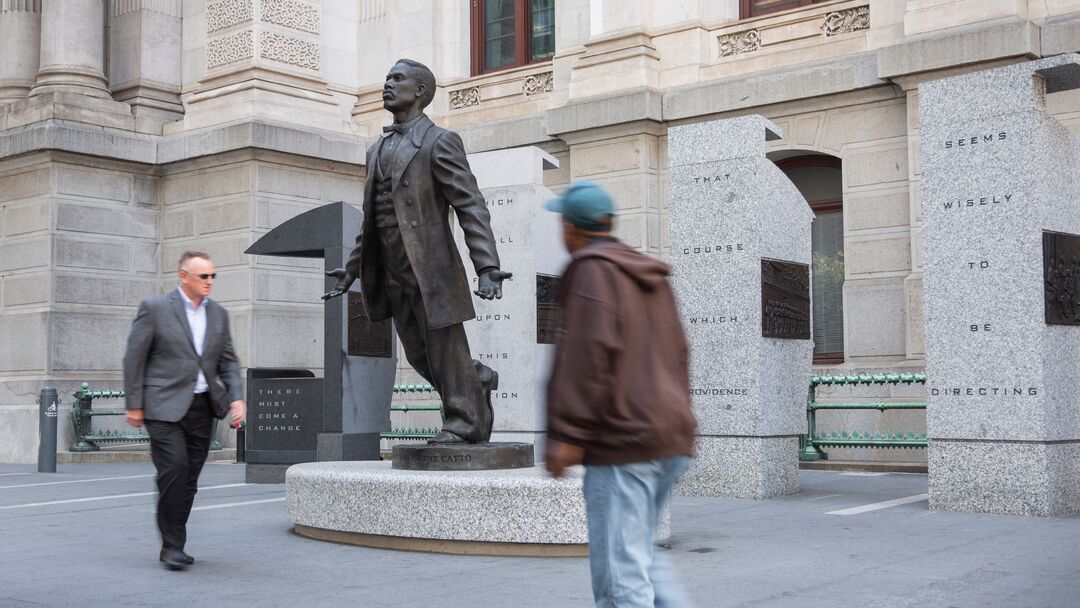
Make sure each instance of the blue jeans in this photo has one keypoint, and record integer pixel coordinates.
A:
(623, 505)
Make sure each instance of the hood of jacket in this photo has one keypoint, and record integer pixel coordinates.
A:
(648, 273)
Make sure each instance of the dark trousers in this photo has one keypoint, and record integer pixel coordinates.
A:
(441, 355)
(179, 451)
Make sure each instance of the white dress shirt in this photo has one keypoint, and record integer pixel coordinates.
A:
(196, 318)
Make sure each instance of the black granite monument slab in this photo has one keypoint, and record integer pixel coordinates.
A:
(351, 407)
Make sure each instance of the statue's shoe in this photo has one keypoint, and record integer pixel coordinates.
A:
(489, 381)
(446, 437)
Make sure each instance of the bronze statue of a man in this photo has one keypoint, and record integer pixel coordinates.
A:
(406, 259)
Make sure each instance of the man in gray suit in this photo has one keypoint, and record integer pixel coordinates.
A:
(180, 372)
(406, 260)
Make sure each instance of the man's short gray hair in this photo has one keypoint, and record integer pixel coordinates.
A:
(187, 255)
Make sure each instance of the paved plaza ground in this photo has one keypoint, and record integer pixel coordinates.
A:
(85, 537)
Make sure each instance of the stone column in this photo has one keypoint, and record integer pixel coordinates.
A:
(1001, 261)
(144, 59)
(740, 262)
(20, 33)
(72, 48)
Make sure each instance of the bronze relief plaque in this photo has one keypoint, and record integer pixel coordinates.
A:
(1061, 278)
(547, 308)
(785, 300)
(367, 339)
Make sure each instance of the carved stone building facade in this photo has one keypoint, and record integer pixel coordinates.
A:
(131, 130)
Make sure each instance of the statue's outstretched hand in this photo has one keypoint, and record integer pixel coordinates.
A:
(490, 284)
(344, 281)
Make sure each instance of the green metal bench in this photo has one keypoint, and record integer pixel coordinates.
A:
(412, 433)
(86, 440)
(810, 444)
(82, 415)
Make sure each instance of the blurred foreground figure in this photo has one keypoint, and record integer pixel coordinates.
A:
(619, 400)
(180, 372)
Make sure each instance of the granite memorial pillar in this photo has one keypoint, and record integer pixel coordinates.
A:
(72, 48)
(740, 257)
(20, 35)
(514, 335)
(1001, 257)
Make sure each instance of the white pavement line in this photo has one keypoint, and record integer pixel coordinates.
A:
(7, 474)
(111, 496)
(239, 504)
(877, 506)
(862, 474)
(55, 483)
(822, 497)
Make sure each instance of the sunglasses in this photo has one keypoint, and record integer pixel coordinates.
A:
(204, 276)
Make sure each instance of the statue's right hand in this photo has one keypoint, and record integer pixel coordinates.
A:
(345, 280)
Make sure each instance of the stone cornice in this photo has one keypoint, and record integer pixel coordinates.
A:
(960, 46)
(602, 111)
(790, 83)
(118, 144)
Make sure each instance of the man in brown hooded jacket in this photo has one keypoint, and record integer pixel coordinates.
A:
(619, 399)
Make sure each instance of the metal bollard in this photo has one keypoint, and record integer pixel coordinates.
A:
(49, 404)
(241, 448)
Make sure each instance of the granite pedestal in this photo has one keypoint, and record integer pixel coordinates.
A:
(740, 256)
(504, 512)
(1001, 238)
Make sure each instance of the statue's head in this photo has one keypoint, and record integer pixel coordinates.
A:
(408, 83)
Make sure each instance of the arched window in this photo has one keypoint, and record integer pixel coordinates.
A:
(818, 178)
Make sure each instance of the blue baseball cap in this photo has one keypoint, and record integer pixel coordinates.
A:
(585, 205)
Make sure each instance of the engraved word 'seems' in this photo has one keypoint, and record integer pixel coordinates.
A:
(974, 140)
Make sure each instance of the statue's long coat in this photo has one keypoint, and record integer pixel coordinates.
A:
(431, 176)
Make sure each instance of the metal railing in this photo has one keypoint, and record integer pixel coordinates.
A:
(413, 433)
(810, 444)
(83, 413)
(86, 440)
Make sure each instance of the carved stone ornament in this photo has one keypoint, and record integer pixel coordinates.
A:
(739, 42)
(229, 49)
(291, 14)
(286, 49)
(227, 13)
(464, 98)
(846, 21)
(539, 83)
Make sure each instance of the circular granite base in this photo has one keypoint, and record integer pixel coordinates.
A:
(453, 547)
(463, 456)
(502, 512)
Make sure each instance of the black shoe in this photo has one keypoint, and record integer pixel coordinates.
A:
(175, 559)
(446, 437)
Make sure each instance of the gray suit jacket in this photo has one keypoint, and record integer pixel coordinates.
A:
(161, 365)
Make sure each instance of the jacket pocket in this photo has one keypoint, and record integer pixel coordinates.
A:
(155, 382)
